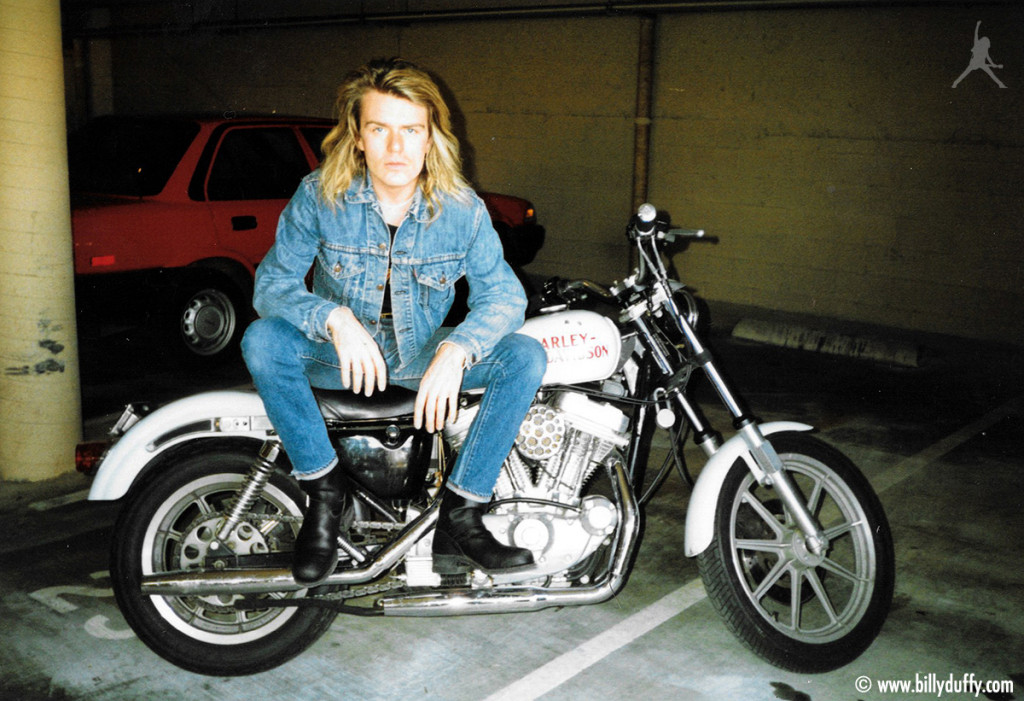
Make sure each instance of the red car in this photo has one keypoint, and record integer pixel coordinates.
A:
(172, 214)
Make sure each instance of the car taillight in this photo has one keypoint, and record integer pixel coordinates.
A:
(103, 261)
(89, 455)
(530, 214)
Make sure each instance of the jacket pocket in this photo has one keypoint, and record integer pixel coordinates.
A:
(341, 272)
(436, 282)
(340, 265)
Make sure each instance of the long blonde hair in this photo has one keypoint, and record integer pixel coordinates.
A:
(344, 161)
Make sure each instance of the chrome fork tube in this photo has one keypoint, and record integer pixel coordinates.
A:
(761, 449)
(775, 475)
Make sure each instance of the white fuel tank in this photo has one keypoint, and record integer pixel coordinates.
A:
(582, 346)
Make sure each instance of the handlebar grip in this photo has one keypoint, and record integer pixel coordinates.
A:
(689, 235)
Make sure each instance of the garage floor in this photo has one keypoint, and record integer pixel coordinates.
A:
(939, 442)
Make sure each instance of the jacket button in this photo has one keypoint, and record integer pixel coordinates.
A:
(337, 267)
(442, 279)
(380, 287)
(382, 246)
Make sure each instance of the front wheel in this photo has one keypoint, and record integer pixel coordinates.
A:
(799, 610)
(168, 524)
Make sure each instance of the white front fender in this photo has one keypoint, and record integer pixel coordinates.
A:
(210, 415)
(700, 514)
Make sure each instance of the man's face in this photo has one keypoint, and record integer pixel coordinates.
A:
(394, 135)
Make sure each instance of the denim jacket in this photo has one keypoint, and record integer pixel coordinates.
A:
(350, 247)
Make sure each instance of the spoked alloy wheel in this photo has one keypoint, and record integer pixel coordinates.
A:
(800, 610)
(169, 524)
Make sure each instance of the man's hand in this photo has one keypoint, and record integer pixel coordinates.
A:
(362, 365)
(438, 397)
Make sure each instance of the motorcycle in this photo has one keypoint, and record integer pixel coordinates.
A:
(791, 543)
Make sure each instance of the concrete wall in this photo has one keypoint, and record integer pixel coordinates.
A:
(845, 175)
(826, 147)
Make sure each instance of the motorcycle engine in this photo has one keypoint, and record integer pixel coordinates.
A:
(561, 443)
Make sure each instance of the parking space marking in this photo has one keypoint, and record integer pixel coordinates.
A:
(51, 597)
(567, 665)
(98, 627)
(63, 500)
(908, 467)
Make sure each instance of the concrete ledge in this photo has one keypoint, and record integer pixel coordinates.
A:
(804, 338)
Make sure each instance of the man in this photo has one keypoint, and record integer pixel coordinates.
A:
(389, 224)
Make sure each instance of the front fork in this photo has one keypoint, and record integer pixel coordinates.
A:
(769, 472)
(774, 475)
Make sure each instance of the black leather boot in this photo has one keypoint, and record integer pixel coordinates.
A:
(462, 542)
(316, 546)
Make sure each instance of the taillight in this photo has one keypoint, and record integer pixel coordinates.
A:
(89, 455)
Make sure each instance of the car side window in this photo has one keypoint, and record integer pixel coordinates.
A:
(315, 138)
(256, 164)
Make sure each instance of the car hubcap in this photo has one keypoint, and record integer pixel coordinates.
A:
(208, 322)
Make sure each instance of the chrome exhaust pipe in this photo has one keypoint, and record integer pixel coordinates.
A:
(267, 581)
(447, 603)
(460, 602)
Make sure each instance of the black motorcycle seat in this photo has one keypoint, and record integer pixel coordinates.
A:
(345, 405)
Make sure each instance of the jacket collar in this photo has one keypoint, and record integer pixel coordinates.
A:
(360, 191)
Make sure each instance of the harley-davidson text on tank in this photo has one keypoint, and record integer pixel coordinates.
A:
(582, 346)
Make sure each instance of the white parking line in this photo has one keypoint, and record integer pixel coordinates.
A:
(566, 666)
(569, 664)
(908, 467)
(63, 500)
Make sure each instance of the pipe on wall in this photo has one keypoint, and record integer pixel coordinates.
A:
(489, 12)
(644, 100)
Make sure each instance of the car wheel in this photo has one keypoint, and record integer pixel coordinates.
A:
(208, 318)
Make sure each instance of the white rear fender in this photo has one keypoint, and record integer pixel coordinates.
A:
(700, 514)
(208, 415)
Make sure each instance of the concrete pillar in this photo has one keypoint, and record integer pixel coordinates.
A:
(40, 403)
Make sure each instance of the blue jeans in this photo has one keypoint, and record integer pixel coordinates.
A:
(285, 365)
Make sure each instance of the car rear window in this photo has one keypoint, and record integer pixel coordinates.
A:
(133, 157)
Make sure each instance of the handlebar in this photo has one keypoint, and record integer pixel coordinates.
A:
(646, 224)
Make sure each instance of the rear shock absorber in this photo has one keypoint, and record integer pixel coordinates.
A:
(255, 481)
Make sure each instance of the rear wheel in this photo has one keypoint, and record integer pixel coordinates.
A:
(800, 610)
(168, 524)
